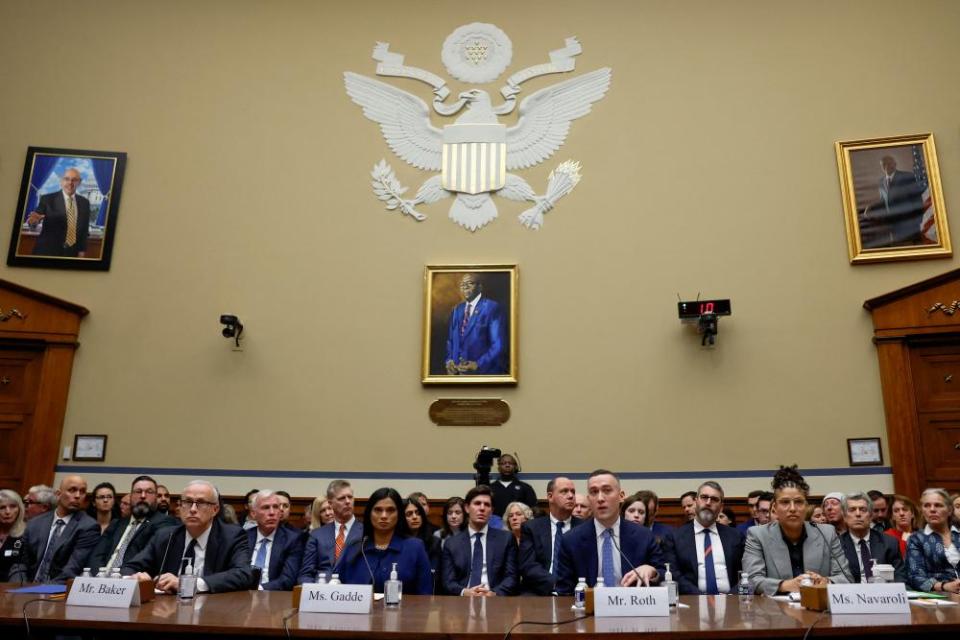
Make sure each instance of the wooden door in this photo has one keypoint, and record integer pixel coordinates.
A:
(935, 370)
(20, 368)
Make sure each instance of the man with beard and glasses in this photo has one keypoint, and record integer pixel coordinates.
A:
(705, 556)
(126, 537)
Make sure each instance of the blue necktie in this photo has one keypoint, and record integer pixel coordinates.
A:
(261, 560)
(556, 547)
(708, 567)
(609, 577)
(476, 566)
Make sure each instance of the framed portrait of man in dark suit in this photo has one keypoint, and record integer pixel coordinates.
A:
(892, 199)
(66, 214)
(470, 325)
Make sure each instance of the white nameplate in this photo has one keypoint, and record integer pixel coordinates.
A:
(104, 592)
(336, 598)
(613, 602)
(868, 598)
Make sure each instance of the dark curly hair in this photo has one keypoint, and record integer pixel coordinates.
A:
(789, 477)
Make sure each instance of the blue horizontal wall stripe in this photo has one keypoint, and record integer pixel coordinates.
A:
(403, 475)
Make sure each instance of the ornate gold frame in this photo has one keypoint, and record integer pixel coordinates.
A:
(853, 210)
(430, 314)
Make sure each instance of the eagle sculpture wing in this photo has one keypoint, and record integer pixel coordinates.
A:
(545, 117)
(404, 120)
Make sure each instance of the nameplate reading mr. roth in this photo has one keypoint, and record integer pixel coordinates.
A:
(469, 412)
(104, 592)
(614, 602)
(336, 598)
(868, 598)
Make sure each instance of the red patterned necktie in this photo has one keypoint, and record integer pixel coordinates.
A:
(466, 318)
(338, 545)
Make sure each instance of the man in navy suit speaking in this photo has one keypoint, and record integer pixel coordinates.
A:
(475, 337)
(609, 547)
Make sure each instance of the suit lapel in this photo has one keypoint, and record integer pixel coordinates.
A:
(473, 316)
(67, 531)
(779, 551)
(813, 548)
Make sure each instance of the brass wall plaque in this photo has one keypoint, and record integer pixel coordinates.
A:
(469, 412)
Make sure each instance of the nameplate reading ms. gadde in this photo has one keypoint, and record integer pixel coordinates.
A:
(868, 598)
(469, 412)
(614, 602)
(336, 598)
(104, 592)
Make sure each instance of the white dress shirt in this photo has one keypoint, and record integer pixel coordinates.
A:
(719, 559)
(599, 528)
(199, 554)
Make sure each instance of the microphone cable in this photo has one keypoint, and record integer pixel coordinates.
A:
(286, 618)
(544, 624)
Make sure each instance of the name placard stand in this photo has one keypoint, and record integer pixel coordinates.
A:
(611, 602)
(115, 593)
(868, 598)
(333, 598)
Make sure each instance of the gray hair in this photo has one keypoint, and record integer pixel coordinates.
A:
(940, 492)
(856, 495)
(713, 485)
(524, 509)
(263, 494)
(45, 495)
(205, 483)
(19, 525)
(335, 486)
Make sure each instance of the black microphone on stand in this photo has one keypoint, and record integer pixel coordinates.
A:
(624, 556)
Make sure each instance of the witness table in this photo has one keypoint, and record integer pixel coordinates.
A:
(248, 614)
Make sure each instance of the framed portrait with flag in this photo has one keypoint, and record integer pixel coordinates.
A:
(892, 200)
(66, 216)
(470, 325)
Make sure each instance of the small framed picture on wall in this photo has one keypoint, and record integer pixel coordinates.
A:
(864, 452)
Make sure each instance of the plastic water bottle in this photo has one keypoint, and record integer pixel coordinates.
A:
(744, 589)
(115, 574)
(392, 589)
(673, 589)
(321, 578)
(102, 573)
(599, 584)
(580, 595)
(188, 583)
(335, 579)
(86, 573)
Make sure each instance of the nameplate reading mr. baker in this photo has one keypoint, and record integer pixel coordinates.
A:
(104, 592)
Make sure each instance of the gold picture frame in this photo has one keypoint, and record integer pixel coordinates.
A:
(475, 346)
(892, 200)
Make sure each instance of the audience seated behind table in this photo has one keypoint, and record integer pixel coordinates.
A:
(933, 554)
(777, 554)
(419, 527)
(321, 513)
(387, 543)
(815, 514)
(906, 521)
(325, 545)
(219, 552)
(603, 547)
(705, 556)
(634, 509)
(15, 554)
(276, 550)
(452, 518)
(863, 545)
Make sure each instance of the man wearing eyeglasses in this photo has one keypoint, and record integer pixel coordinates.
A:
(705, 556)
(127, 536)
(219, 552)
(65, 216)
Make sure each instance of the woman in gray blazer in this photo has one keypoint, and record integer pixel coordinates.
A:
(777, 555)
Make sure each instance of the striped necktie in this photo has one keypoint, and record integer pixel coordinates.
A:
(71, 222)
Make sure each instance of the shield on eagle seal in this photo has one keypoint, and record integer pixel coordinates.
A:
(474, 157)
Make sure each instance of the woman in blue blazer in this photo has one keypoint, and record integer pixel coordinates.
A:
(386, 542)
(933, 555)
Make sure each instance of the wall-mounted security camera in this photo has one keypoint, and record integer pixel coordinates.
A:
(232, 327)
(706, 314)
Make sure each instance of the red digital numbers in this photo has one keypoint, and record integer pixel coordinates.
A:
(706, 308)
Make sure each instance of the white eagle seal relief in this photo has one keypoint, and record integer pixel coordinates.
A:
(475, 153)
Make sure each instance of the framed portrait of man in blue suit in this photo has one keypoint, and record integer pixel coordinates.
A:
(892, 199)
(67, 211)
(470, 324)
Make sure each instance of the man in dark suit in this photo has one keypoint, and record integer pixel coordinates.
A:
(126, 537)
(66, 220)
(479, 561)
(219, 552)
(900, 207)
(62, 539)
(540, 539)
(476, 335)
(704, 556)
(326, 544)
(862, 544)
(619, 551)
(277, 550)
(752, 499)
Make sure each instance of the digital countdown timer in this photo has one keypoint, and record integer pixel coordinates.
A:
(695, 309)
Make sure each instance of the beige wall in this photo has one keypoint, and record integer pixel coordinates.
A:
(708, 167)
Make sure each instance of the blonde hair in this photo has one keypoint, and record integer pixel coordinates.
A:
(19, 525)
